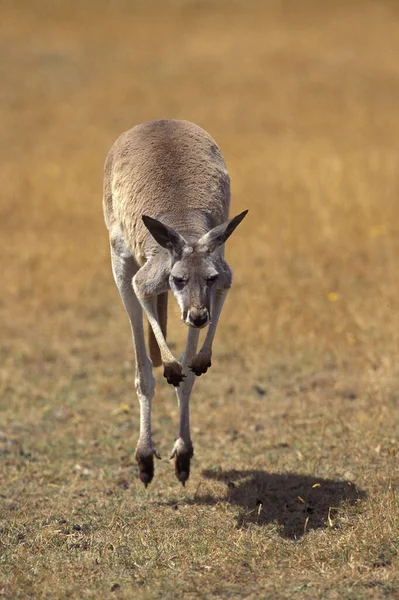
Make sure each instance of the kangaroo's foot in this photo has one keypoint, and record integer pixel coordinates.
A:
(182, 453)
(145, 459)
(200, 363)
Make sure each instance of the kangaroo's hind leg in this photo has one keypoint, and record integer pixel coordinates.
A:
(124, 268)
(183, 449)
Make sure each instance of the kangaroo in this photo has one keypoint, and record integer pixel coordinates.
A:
(166, 204)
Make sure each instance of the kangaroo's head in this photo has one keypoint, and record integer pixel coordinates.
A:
(196, 268)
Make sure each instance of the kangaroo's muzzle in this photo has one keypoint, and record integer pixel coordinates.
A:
(197, 317)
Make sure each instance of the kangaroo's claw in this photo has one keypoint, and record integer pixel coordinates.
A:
(200, 363)
(173, 372)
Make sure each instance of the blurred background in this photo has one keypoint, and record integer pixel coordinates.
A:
(302, 98)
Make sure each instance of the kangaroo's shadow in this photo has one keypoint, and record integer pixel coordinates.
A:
(296, 503)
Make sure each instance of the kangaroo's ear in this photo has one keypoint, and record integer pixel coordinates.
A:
(165, 235)
(218, 235)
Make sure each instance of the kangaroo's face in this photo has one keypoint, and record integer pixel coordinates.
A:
(195, 267)
(192, 281)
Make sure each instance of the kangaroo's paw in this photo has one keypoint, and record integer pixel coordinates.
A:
(182, 453)
(145, 459)
(200, 363)
(173, 372)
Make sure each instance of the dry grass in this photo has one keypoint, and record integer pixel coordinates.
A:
(294, 485)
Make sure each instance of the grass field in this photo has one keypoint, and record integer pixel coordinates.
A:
(294, 484)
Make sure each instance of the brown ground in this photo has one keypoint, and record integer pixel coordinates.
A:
(294, 486)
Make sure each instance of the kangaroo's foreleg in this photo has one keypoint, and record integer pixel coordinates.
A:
(183, 449)
(202, 361)
(124, 268)
(173, 370)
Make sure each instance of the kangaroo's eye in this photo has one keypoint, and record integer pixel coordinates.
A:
(179, 281)
(210, 280)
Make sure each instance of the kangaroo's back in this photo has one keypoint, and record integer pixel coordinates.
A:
(166, 166)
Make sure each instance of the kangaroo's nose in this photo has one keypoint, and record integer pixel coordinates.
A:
(198, 318)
